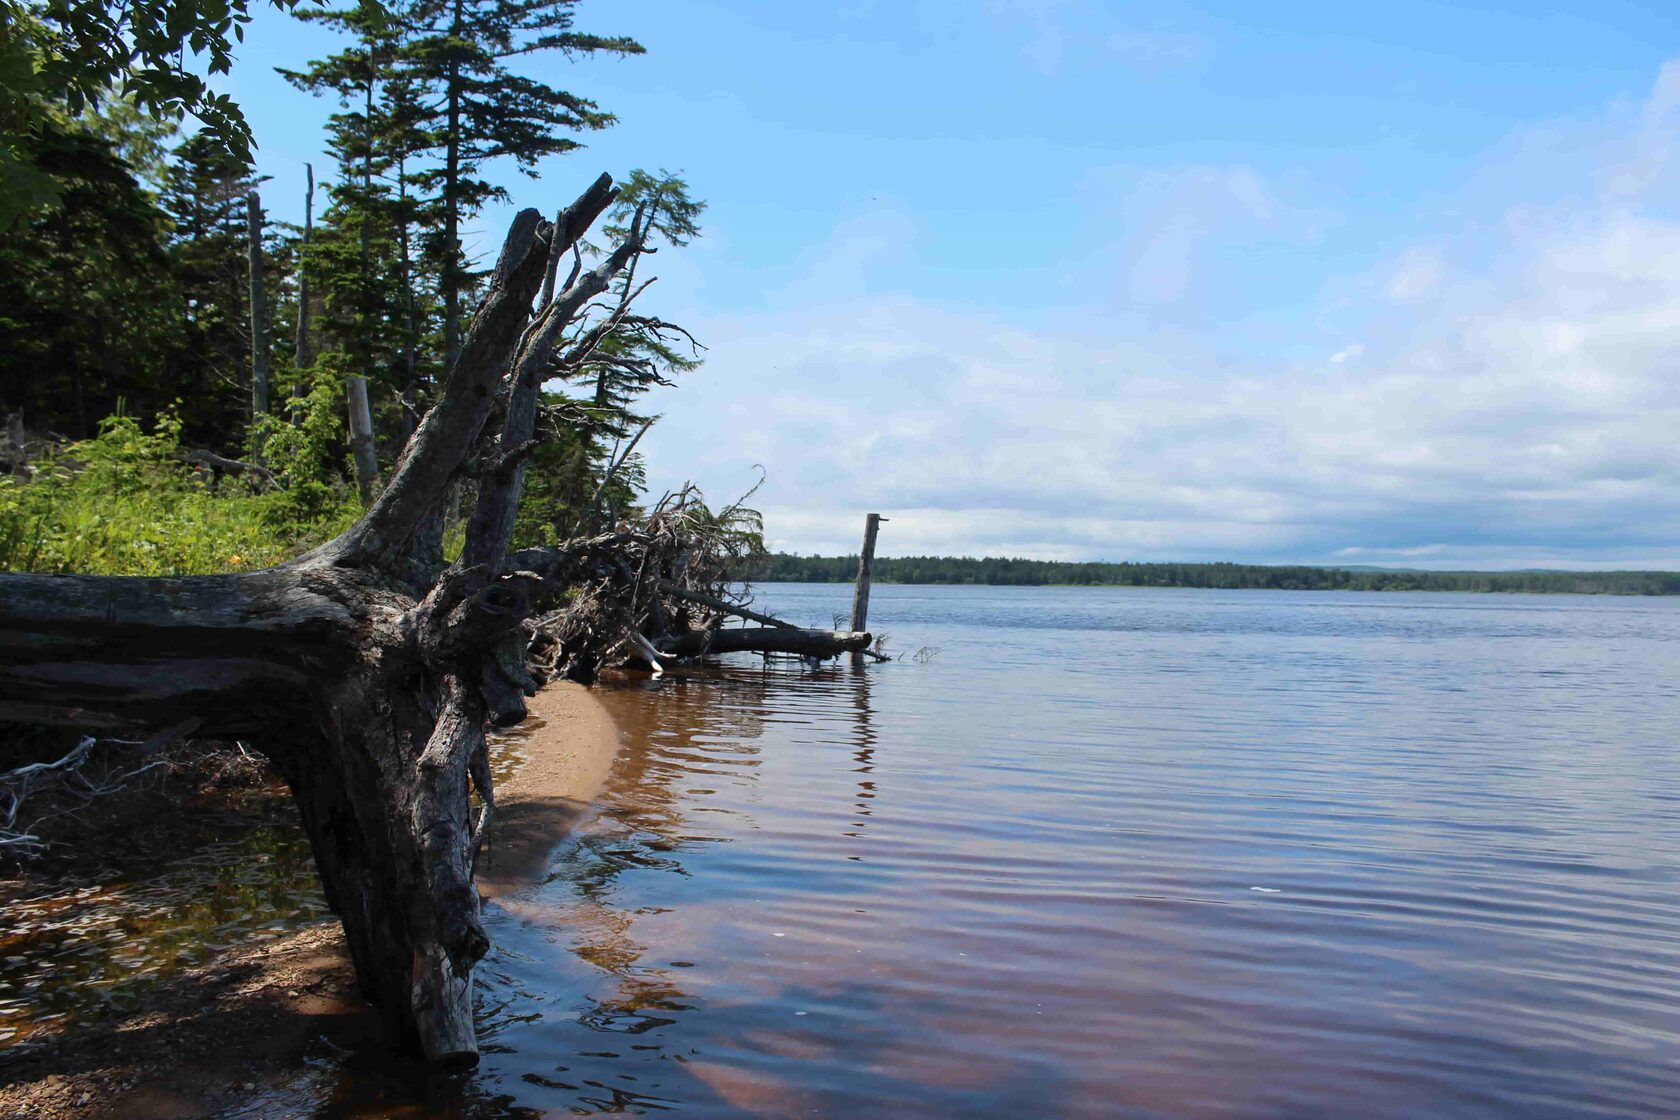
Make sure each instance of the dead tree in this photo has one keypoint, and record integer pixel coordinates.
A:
(368, 669)
(664, 590)
(259, 305)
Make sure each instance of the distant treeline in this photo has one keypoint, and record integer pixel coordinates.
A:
(784, 568)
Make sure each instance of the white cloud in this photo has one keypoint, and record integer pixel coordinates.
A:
(1166, 229)
(1417, 276)
(1518, 413)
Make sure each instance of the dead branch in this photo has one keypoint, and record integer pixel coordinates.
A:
(703, 599)
(69, 776)
(212, 461)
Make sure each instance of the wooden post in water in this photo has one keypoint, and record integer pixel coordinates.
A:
(860, 596)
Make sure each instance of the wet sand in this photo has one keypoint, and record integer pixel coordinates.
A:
(225, 1035)
(571, 753)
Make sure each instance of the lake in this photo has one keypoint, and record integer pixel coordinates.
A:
(1111, 853)
(1116, 852)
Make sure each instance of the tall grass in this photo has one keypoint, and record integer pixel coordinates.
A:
(124, 504)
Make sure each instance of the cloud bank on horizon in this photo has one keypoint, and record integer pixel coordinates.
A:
(1504, 393)
(1181, 280)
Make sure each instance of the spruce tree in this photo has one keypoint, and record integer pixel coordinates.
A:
(347, 257)
(462, 50)
(638, 352)
(204, 195)
(586, 473)
(88, 310)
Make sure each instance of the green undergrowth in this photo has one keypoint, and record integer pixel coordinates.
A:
(124, 503)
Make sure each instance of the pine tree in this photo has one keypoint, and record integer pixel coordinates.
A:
(358, 292)
(638, 352)
(204, 195)
(413, 216)
(587, 473)
(87, 302)
(461, 50)
(353, 264)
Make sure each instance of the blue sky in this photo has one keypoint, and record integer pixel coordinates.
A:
(1330, 283)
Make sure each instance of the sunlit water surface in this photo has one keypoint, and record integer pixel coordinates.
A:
(1135, 853)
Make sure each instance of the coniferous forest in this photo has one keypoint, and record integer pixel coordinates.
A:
(997, 571)
(193, 386)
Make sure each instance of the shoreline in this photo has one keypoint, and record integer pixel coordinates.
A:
(552, 789)
(1052, 586)
(258, 1017)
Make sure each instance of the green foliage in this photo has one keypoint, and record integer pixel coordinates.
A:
(476, 108)
(86, 292)
(124, 503)
(640, 352)
(305, 450)
(133, 286)
(734, 536)
(204, 197)
(997, 571)
(568, 488)
(572, 485)
(69, 55)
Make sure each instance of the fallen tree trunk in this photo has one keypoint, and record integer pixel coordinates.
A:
(366, 670)
(209, 460)
(722, 605)
(765, 639)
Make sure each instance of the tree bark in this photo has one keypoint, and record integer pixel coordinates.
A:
(303, 353)
(765, 639)
(259, 306)
(722, 605)
(866, 566)
(365, 670)
(362, 447)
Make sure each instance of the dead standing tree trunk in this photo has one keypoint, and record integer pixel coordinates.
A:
(366, 670)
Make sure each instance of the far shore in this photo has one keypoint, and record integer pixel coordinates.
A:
(1000, 571)
(255, 1022)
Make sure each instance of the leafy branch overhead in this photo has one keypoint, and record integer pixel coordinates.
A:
(78, 54)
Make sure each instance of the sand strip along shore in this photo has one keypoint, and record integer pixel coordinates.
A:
(241, 1030)
(567, 764)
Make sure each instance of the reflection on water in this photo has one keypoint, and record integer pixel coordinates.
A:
(1112, 853)
(1127, 854)
(82, 954)
(75, 955)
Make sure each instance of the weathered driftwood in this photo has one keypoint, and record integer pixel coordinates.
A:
(764, 639)
(866, 564)
(860, 592)
(639, 607)
(212, 461)
(366, 670)
(303, 352)
(722, 605)
(17, 449)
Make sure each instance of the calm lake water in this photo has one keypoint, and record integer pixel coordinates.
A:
(1127, 853)
(1105, 852)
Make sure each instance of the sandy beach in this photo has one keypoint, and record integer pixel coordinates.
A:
(248, 1024)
